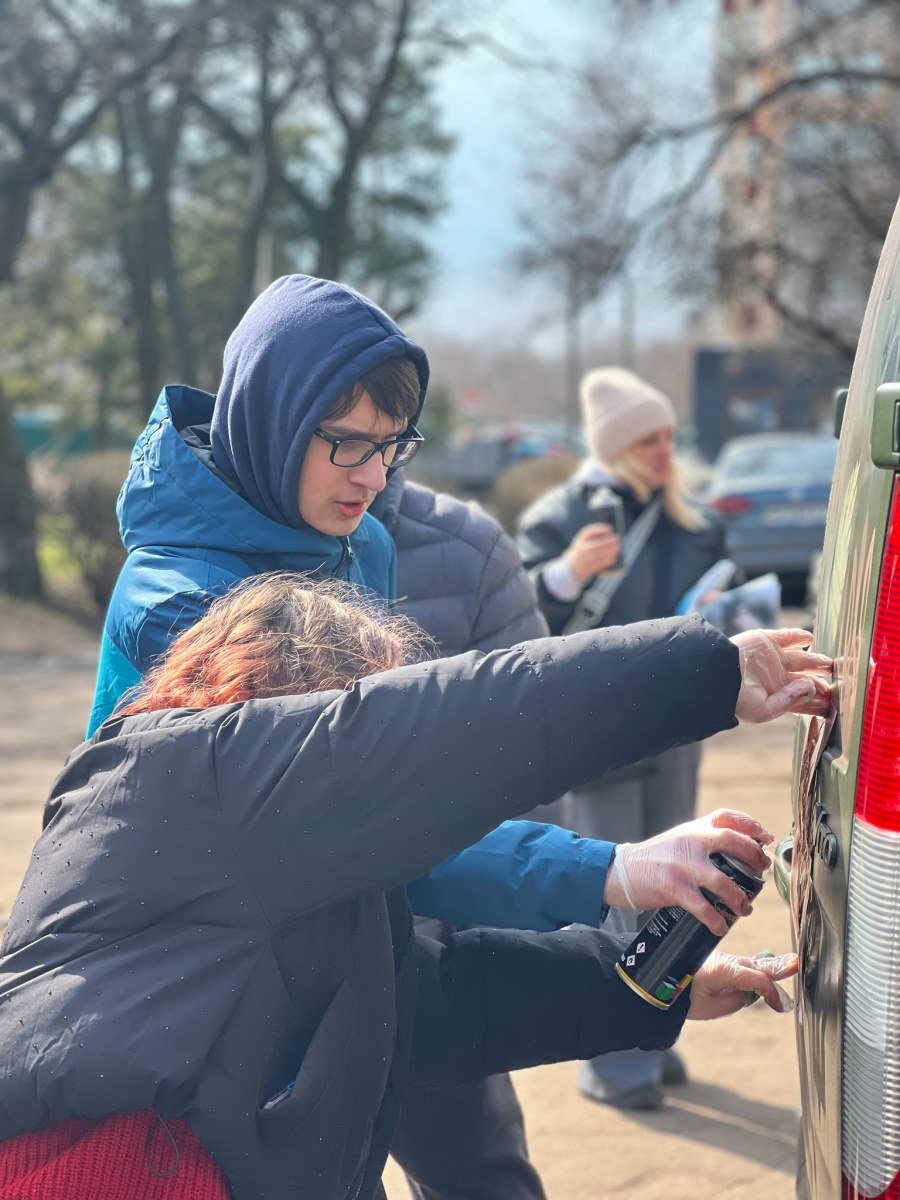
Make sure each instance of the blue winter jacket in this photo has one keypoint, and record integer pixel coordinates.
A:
(190, 537)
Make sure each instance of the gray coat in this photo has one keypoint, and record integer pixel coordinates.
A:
(216, 906)
(458, 574)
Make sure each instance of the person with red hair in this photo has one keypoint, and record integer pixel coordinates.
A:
(210, 983)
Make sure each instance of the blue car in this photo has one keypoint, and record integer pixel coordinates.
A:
(772, 490)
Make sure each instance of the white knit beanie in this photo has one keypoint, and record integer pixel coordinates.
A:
(619, 409)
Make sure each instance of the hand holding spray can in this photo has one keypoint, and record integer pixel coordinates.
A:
(664, 957)
(607, 509)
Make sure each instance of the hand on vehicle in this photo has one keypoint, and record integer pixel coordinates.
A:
(726, 983)
(672, 867)
(594, 548)
(776, 675)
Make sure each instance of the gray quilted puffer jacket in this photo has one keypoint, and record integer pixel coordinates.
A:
(458, 574)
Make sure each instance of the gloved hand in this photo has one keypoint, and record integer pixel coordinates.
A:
(672, 867)
(775, 678)
(726, 983)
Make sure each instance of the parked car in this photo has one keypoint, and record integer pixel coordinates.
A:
(840, 868)
(772, 490)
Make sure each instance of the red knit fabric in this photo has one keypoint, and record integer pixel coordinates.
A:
(107, 1160)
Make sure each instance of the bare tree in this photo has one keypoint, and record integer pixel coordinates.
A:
(769, 188)
(571, 240)
(150, 116)
(338, 128)
(60, 66)
(325, 155)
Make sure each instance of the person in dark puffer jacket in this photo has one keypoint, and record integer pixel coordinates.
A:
(459, 575)
(461, 578)
(215, 928)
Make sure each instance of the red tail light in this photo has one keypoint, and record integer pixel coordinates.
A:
(878, 781)
(730, 506)
(871, 1051)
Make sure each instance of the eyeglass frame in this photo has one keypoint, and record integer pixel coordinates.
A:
(411, 435)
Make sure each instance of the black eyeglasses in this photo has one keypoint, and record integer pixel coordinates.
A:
(354, 451)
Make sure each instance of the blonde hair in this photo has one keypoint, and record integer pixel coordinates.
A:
(626, 467)
(279, 634)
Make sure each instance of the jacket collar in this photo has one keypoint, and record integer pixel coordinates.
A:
(170, 498)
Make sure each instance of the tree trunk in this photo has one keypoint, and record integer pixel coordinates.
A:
(175, 302)
(19, 573)
(160, 137)
(329, 233)
(138, 251)
(15, 204)
(254, 230)
(139, 256)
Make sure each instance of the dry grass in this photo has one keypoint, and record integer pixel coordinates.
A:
(522, 484)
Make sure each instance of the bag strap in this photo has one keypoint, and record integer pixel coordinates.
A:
(597, 597)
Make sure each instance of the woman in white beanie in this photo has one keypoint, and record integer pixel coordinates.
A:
(669, 543)
(629, 426)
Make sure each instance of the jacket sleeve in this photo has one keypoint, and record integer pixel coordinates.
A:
(493, 1000)
(149, 607)
(115, 675)
(158, 595)
(508, 610)
(521, 876)
(369, 789)
(539, 542)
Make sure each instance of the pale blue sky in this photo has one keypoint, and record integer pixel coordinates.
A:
(487, 106)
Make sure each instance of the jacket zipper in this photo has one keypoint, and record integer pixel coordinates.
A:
(346, 557)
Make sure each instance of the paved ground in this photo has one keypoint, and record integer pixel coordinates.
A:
(731, 1131)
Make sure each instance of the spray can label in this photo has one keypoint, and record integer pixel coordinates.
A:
(663, 958)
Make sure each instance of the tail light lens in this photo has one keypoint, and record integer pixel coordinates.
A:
(871, 1063)
(730, 506)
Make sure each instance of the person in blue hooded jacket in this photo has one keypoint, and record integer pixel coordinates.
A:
(253, 479)
(213, 491)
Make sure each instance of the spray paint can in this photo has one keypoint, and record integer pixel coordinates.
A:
(607, 509)
(664, 957)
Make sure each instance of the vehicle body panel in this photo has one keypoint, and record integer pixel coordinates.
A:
(854, 540)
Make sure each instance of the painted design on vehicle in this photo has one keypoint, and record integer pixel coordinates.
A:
(850, 652)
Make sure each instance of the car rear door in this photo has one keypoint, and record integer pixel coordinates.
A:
(842, 865)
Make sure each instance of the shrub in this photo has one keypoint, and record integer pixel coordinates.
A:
(523, 482)
(89, 488)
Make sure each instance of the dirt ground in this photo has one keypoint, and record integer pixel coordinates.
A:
(730, 1131)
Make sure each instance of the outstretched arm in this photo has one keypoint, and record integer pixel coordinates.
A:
(498, 1000)
(522, 875)
(371, 788)
(494, 1000)
(529, 876)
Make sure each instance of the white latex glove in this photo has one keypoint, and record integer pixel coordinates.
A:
(672, 867)
(726, 983)
(775, 676)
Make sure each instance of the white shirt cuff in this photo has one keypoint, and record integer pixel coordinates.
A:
(561, 581)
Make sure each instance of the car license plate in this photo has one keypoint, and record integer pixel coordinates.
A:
(795, 514)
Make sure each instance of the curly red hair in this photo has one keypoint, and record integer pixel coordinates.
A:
(275, 635)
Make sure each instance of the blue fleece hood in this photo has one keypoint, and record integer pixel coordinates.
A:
(300, 345)
(171, 498)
